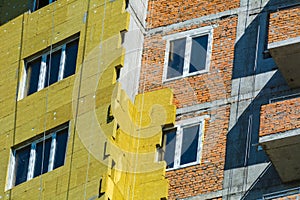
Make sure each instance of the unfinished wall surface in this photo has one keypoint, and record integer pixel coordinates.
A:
(176, 11)
(279, 117)
(112, 140)
(241, 77)
(284, 24)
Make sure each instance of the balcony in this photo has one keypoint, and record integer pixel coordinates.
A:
(280, 136)
(284, 43)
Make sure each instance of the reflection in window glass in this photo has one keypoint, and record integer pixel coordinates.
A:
(170, 142)
(198, 53)
(21, 164)
(176, 58)
(189, 144)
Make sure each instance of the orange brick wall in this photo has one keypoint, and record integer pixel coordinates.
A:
(208, 176)
(177, 10)
(284, 24)
(292, 197)
(280, 116)
(214, 85)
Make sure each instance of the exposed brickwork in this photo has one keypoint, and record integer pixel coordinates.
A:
(280, 116)
(214, 85)
(284, 24)
(177, 10)
(208, 176)
(292, 197)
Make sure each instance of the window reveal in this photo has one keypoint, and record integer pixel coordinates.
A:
(49, 68)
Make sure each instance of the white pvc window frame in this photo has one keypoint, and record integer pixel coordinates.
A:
(188, 35)
(199, 121)
(11, 176)
(43, 68)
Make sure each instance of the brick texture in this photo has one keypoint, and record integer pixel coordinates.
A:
(214, 85)
(178, 10)
(291, 197)
(279, 117)
(284, 24)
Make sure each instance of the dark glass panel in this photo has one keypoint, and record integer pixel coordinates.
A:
(170, 142)
(176, 58)
(33, 72)
(198, 54)
(71, 57)
(61, 145)
(53, 63)
(21, 165)
(189, 144)
(42, 162)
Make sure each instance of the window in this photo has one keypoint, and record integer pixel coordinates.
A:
(182, 145)
(38, 157)
(187, 53)
(37, 4)
(45, 69)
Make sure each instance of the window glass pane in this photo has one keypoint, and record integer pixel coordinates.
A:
(198, 54)
(176, 58)
(189, 144)
(21, 166)
(61, 145)
(170, 141)
(40, 165)
(41, 3)
(53, 63)
(33, 73)
(71, 56)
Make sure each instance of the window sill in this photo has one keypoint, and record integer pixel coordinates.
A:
(183, 166)
(186, 76)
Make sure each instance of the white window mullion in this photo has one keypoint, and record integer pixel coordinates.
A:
(43, 71)
(200, 139)
(188, 47)
(52, 153)
(23, 84)
(11, 171)
(62, 63)
(31, 161)
(178, 147)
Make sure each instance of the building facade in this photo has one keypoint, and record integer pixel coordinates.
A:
(148, 99)
(233, 70)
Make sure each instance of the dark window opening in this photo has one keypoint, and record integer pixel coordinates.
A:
(198, 53)
(21, 164)
(42, 157)
(41, 3)
(71, 57)
(53, 63)
(61, 147)
(189, 144)
(33, 73)
(50, 67)
(169, 144)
